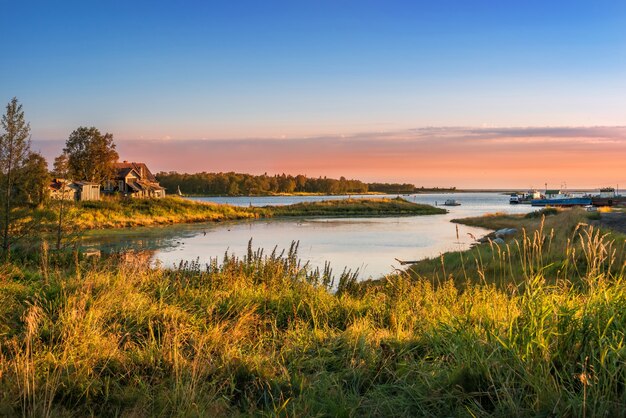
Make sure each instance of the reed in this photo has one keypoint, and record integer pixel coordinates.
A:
(537, 328)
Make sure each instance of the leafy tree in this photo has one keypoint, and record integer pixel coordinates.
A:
(90, 155)
(248, 184)
(65, 226)
(14, 151)
(61, 167)
(33, 179)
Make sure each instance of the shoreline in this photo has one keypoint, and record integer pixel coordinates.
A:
(304, 194)
(122, 214)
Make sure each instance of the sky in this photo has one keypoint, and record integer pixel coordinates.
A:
(473, 94)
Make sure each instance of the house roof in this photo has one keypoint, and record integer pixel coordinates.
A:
(123, 172)
(86, 183)
(142, 170)
(144, 185)
(135, 187)
(58, 184)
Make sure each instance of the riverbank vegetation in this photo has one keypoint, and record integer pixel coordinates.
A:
(121, 213)
(548, 242)
(354, 208)
(264, 335)
(240, 184)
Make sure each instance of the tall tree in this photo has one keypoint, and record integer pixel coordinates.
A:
(90, 155)
(60, 167)
(65, 227)
(14, 150)
(33, 179)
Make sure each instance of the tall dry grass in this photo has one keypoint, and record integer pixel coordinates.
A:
(266, 335)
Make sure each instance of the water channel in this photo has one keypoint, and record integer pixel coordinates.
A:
(368, 244)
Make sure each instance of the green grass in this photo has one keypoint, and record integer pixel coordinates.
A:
(120, 213)
(264, 336)
(547, 245)
(354, 208)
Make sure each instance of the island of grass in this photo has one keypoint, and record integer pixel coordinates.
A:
(354, 208)
(120, 213)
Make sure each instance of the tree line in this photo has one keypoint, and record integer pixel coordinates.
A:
(236, 184)
(233, 184)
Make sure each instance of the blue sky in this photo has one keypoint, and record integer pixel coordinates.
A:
(344, 83)
(247, 69)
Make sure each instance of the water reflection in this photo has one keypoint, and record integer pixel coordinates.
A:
(369, 244)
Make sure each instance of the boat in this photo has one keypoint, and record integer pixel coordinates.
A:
(608, 197)
(561, 199)
(451, 202)
(524, 198)
(514, 199)
(563, 202)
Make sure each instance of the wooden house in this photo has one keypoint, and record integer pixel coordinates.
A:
(61, 189)
(74, 190)
(86, 190)
(134, 180)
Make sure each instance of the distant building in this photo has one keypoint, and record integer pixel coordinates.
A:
(86, 190)
(555, 194)
(60, 189)
(607, 192)
(134, 180)
(74, 190)
(550, 193)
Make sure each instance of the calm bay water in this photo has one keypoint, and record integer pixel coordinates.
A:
(368, 244)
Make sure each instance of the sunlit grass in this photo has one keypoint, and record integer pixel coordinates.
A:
(115, 213)
(355, 207)
(119, 213)
(265, 335)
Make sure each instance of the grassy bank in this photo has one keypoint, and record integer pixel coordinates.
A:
(354, 208)
(120, 213)
(262, 336)
(548, 242)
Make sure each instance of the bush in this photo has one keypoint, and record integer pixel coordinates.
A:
(542, 212)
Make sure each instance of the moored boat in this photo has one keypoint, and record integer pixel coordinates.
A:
(451, 202)
(524, 198)
(562, 199)
(565, 201)
(609, 201)
(608, 197)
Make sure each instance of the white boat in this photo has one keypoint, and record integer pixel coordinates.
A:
(524, 198)
(451, 202)
(514, 199)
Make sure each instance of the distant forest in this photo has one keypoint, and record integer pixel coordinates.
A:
(234, 184)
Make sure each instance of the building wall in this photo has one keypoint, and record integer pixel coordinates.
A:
(89, 192)
(67, 194)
